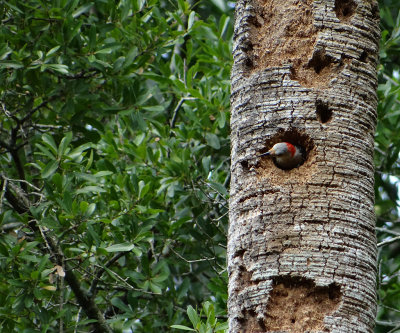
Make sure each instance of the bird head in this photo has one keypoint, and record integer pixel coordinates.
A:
(281, 149)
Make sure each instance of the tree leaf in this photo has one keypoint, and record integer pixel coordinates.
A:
(65, 141)
(50, 142)
(181, 327)
(7, 64)
(122, 247)
(191, 18)
(193, 316)
(81, 10)
(52, 51)
(91, 189)
(63, 69)
(213, 140)
(50, 168)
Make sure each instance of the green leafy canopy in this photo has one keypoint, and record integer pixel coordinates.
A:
(114, 153)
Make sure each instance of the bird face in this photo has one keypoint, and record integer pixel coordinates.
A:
(279, 149)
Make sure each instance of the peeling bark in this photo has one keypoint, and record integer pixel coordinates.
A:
(302, 247)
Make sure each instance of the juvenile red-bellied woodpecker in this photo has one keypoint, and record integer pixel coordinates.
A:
(286, 155)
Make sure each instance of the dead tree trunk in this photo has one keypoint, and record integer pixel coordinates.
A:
(302, 248)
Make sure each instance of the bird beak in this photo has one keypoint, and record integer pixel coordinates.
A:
(269, 152)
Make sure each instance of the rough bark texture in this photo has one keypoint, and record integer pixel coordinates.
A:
(302, 248)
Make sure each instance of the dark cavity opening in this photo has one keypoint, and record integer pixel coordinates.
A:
(324, 114)
(363, 56)
(319, 61)
(345, 9)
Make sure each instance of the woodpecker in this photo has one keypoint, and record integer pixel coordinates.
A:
(286, 156)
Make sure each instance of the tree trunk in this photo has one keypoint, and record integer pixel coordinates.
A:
(302, 248)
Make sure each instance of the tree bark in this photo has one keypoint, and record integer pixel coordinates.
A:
(302, 247)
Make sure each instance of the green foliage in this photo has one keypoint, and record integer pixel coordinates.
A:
(210, 326)
(387, 148)
(119, 153)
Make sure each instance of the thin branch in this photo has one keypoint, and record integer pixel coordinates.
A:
(78, 317)
(61, 302)
(221, 217)
(30, 113)
(387, 323)
(6, 112)
(3, 191)
(389, 307)
(82, 75)
(191, 261)
(21, 181)
(129, 286)
(175, 114)
(44, 237)
(10, 226)
(388, 231)
(394, 329)
(387, 77)
(67, 231)
(46, 126)
(389, 241)
(92, 290)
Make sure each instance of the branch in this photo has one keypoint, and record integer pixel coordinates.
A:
(82, 75)
(192, 261)
(11, 226)
(175, 114)
(85, 301)
(30, 113)
(389, 241)
(19, 203)
(92, 290)
(18, 198)
(3, 191)
(387, 323)
(22, 181)
(388, 231)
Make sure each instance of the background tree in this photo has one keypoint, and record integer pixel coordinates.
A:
(136, 197)
(114, 163)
